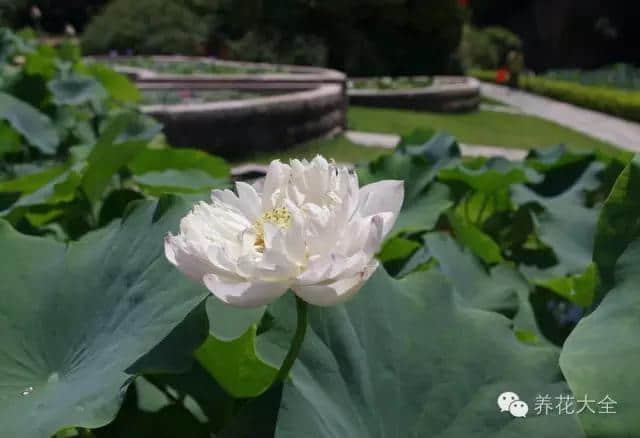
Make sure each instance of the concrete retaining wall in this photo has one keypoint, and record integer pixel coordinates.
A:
(294, 76)
(446, 94)
(245, 127)
(304, 103)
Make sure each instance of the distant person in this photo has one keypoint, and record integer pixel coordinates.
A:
(515, 63)
(502, 75)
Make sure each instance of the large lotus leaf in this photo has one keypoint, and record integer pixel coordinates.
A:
(562, 168)
(158, 160)
(223, 336)
(566, 224)
(416, 137)
(416, 165)
(174, 354)
(555, 157)
(256, 418)
(403, 358)
(61, 188)
(421, 260)
(422, 213)
(423, 201)
(41, 62)
(495, 175)
(578, 288)
(74, 318)
(117, 85)
(416, 172)
(36, 127)
(228, 353)
(619, 223)
(10, 140)
(439, 150)
(167, 421)
(228, 323)
(600, 357)
(139, 127)
(76, 90)
(115, 204)
(396, 253)
(480, 243)
(178, 181)
(200, 404)
(109, 155)
(235, 365)
(500, 289)
(32, 181)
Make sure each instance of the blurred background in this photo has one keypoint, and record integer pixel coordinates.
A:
(360, 37)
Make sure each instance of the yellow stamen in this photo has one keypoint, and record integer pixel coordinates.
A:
(279, 216)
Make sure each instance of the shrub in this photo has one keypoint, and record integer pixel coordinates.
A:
(10, 11)
(476, 49)
(618, 75)
(503, 40)
(368, 37)
(364, 37)
(147, 26)
(487, 48)
(621, 103)
(260, 47)
(483, 75)
(55, 15)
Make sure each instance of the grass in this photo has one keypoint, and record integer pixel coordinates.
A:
(339, 148)
(480, 127)
(490, 101)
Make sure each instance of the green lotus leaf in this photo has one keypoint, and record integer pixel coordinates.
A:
(74, 319)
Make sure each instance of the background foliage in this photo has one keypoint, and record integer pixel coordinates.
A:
(487, 48)
(359, 37)
(168, 27)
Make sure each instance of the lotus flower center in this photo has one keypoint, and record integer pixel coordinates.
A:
(279, 216)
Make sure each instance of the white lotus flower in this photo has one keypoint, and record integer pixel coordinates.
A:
(309, 229)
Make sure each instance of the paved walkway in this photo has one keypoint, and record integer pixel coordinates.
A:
(479, 150)
(473, 150)
(618, 132)
(373, 139)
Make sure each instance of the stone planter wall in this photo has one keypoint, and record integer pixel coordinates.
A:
(244, 127)
(293, 76)
(446, 94)
(304, 103)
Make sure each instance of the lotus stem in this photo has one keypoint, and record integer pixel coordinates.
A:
(296, 342)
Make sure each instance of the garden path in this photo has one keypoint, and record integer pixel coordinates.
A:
(474, 150)
(619, 132)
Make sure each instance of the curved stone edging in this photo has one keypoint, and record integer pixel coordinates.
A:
(293, 75)
(231, 128)
(305, 103)
(446, 94)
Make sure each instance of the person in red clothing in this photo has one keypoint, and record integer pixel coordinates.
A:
(502, 75)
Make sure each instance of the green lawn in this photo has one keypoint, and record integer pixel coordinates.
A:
(490, 101)
(479, 127)
(339, 148)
